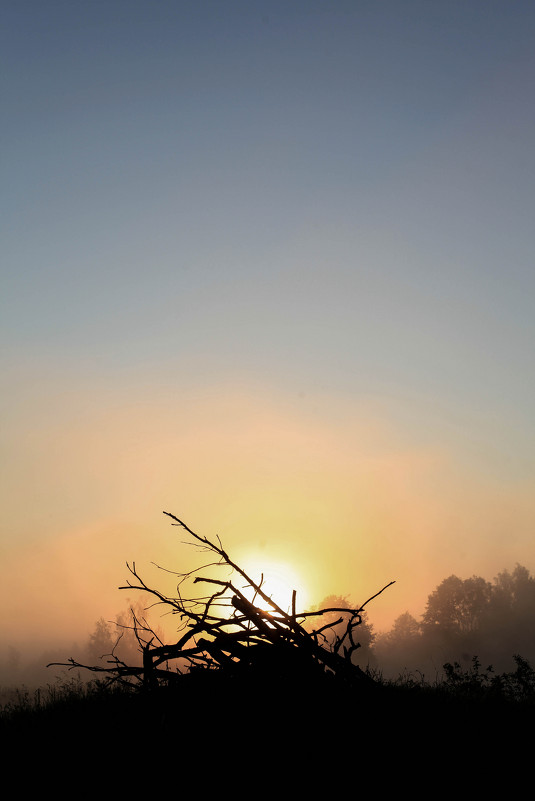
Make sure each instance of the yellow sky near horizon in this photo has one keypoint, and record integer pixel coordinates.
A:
(273, 273)
(337, 491)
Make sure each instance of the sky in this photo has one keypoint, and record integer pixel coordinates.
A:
(267, 266)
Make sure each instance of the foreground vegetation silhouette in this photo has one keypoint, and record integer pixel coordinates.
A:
(250, 686)
(237, 632)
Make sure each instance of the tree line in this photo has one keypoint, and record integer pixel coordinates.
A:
(463, 619)
(28, 667)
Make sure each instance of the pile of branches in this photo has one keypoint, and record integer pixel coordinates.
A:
(238, 630)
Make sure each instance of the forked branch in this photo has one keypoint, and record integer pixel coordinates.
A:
(227, 631)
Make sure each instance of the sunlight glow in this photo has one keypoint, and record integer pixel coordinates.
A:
(279, 581)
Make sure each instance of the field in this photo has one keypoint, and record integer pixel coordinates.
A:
(387, 735)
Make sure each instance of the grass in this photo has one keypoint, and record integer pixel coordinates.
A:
(93, 705)
(470, 729)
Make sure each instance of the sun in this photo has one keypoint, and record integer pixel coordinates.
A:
(279, 580)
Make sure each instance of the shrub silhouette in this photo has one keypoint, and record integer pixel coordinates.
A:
(236, 631)
(241, 666)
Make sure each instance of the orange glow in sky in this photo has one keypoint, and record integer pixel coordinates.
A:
(272, 273)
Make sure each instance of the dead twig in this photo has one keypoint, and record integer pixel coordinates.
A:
(226, 631)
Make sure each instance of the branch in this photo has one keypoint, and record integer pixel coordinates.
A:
(225, 631)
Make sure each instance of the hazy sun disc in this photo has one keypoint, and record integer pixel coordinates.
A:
(279, 582)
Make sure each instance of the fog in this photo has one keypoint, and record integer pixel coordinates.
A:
(268, 267)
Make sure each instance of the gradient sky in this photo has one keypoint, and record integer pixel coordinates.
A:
(268, 266)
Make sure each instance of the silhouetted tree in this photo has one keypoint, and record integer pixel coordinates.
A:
(116, 638)
(405, 629)
(127, 647)
(465, 619)
(458, 605)
(509, 624)
(515, 592)
(101, 641)
(400, 649)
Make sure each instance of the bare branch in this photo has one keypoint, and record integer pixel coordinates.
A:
(226, 631)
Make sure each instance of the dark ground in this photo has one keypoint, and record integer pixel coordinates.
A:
(231, 735)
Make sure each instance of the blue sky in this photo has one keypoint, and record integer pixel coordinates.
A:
(318, 211)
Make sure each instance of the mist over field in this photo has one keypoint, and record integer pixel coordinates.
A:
(267, 266)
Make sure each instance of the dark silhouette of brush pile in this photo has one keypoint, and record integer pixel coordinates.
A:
(235, 636)
(251, 691)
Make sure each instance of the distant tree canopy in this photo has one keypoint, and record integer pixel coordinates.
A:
(101, 641)
(458, 605)
(405, 628)
(116, 638)
(514, 593)
(464, 618)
